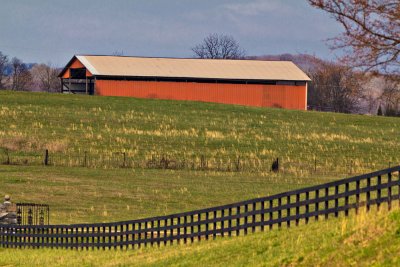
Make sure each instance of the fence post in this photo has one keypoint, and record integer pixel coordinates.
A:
(307, 206)
(389, 201)
(316, 204)
(336, 201)
(378, 201)
(46, 157)
(326, 202)
(297, 208)
(368, 192)
(279, 212)
(238, 164)
(262, 214)
(288, 211)
(8, 157)
(315, 165)
(346, 199)
(237, 220)
(357, 195)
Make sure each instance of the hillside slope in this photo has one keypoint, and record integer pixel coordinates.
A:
(192, 134)
(369, 239)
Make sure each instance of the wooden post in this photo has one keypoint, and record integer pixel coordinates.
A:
(368, 192)
(288, 211)
(86, 85)
(378, 200)
(326, 202)
(271, 214)
(46, 157)
(316, 203)
(85, 160)
(336, 201)
(346, 200)
(307, 206)
(262, 215)
(237, 220)
(315, 165)
(297, 208)
(8, 157)
(357, 195)
(230, 222)
(389, 201)
(279, 212)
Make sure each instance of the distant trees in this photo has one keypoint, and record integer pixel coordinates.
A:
(3, 65)
(371, 37)
(21, 78)
(46, 77)
(390, 98)
(334, 87)
(219, 46)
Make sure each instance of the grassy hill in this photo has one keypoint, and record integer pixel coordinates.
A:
(66, 124)
(369, 239)
(313, 148)
(186, 132)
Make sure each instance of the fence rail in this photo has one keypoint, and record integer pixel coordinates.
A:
(234, 219)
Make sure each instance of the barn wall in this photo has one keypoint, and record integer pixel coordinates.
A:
(283, 96)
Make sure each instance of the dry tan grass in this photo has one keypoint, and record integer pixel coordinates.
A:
(29, 144)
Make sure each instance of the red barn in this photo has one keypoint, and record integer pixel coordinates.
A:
(243, 82)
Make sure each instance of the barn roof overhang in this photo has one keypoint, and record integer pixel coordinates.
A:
(202, 70)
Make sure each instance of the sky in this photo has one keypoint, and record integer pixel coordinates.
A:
(52, 31)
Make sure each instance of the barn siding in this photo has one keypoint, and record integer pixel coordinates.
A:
(283, 96)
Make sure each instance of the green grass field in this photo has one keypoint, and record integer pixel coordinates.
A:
(78, 195)
(369, 239)
(72, 124)
(182, 130)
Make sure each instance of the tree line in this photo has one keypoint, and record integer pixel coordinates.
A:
(19, 76)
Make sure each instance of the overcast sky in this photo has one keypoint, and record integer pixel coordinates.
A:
(53, 31)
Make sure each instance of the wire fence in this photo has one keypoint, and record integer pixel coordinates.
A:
(314, 164)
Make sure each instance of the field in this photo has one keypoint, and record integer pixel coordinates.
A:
(78, 195)
(227, 151)
(369, 239)
(192, 135)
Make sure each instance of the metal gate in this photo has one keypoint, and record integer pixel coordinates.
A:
(32, 214)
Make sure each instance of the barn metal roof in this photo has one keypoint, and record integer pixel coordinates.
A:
(192, 68)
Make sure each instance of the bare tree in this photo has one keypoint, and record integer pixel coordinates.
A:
(219, 46)
(46, 77)
(371, 37)
(335, 88)
(118, 53)
(3, 65)
(21, 77)
(390, 98)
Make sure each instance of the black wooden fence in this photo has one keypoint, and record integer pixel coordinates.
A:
(289, 208)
